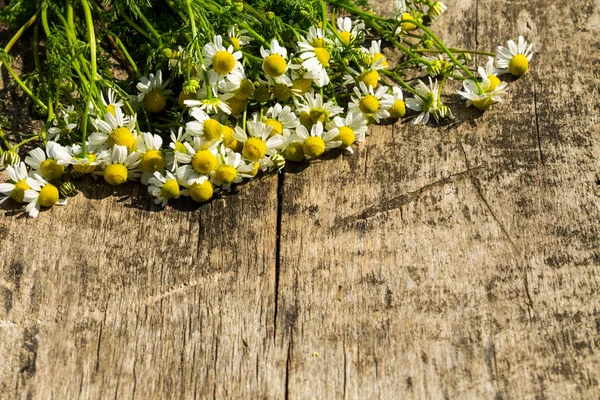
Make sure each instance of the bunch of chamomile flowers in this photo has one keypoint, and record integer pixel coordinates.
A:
(228, 107)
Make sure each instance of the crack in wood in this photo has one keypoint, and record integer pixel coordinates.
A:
(280, 188)
(537, 125)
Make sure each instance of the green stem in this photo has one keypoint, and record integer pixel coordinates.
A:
(253, 33)
(198, 49)
(25, 88)
(358, 11)
(92, 42)
(125, 53)
(401, 81)
(150, 27)
(458, 51)
(138, 28)
(18, 35)
(31, 139)
(6, 143)
(45, 21)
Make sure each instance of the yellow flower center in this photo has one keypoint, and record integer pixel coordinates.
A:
(262, 94)
(213, 130)
(377, 57)
(170, 189)
(48, 195)
(180, 147)
(346, 37)
(201, 192)
(319, 115)
(407, 26)
(301, 85)
(183, 96)
(346, 136)
(235, 42)
(245, 90)
(494, 82)
(313, 146)
(115, 174)
(282, 92)
(204, 161)
(398, 109)
(318, 42)
(51, 169)
(294, 152)
(323, 56)
(155, 101)
(254, 149)
(223, 62)
(121, 137)
(368, 104)
(370, 78)
(111, 109)
(225, 173)
(276, 125)
(152, 161)
(518, 65)
(237, 105)
(306, 120)
(483, 104)
(274, 65)
(87, 167)
(18, 193)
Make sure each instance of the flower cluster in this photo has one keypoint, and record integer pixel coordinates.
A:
(245, 106)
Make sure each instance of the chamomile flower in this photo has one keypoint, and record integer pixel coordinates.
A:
(303, 79)
(229, 168)
(399, 8)
(203, 161)
(41, 194)
(292, 147)
(376, 59)
(218, 101)
(152, 92)
(515, 58)
(348, 130)
(111, 101)
(370, 103)
(114, 130)
(348, 31)
(314, 58)
(51, 163)
(151, 156)
(238, 37)
(312, 109)
(489, 90)
(275, 62)
(315, 142)
(237, 84)
(120, 166)
(281, 119)
(164, 187)
(436, 10)
(203, 125)
(178, 154)
(19, 183)
(200, 190)
(257, 140)
(64, 125)
(427, 101)
(316, 38)
(88, 163)
(398, 108)
(222, 59)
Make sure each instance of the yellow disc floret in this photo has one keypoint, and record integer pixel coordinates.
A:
(483, 104)
(346, 37)
(323, 56)
(368, 104)
(111, 109)
(313, 146)
(183, 96)
(370, 78)
(494, 82)
(301, 85)
(201, 192)
(152, 161)
(235, 42)
(245, 90)
(294, 152)
(276, 125)
(212, 129)
(51, 169)
(87, 167)
(518, 65)
(170, 189)
(282, 92)
(318, 42)
(18, 193)
(377, 57)
(155, 101)
(274, 65)
(225, 173)
(319, 115)
(407, 26)
(346, 136)
(204, 161)
(398, 109)
(48, 195)
(115, 174)
(254, 149)
(236, 105)
(223, 62)
(121, 137)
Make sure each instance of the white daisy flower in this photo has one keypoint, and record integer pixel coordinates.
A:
(303, 79)
(152, 158)
(204, 125)
(230, 169)
(222, 59)
(41, 194)
(398, 108)
(315, 59)
(315, 142)
(111, 101)
(281, 119)
(275, 62)
(178, 154)
(87, 164)
(216, 103)
(292, 147)
(312, 109)
(152, 92)
(377, 61)
(19, 183)
(63, 126)
(488, 92)
(203, 158)
(120, 166)
(114, 130)
(237, 37)
(515, 58)
(237, 84)
(316, 38)
(427, 102)
(348, 130)
(369, 103)
(51, 163)
(164, 187)
(436, 10)
(347, 30)
(258, 142)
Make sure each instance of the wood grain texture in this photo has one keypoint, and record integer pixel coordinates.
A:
(459, 261)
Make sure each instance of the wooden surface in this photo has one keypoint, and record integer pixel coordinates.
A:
(459, 261)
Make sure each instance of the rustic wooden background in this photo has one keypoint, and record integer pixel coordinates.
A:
(459, 261)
